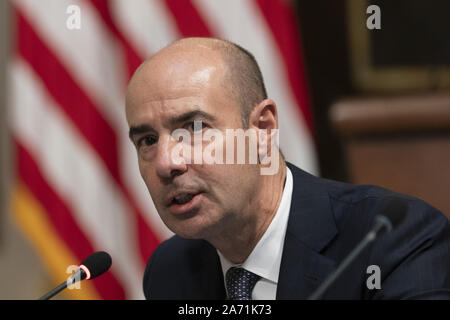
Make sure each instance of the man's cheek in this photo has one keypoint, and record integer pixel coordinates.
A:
(152, 189)
(147, 174)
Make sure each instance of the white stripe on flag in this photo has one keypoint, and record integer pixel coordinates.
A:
(146, 23)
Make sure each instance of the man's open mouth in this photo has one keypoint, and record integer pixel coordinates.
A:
(184, 202)
(183, 198)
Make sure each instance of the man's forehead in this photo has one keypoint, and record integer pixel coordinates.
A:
(177, 72)
(181, 58)
(165, 77)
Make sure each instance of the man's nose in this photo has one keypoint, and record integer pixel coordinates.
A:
(168, 162)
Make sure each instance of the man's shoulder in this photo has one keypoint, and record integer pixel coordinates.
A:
(357, 205)
(346, 193)
(420, 245)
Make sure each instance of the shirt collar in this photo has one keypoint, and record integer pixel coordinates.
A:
(265, 259)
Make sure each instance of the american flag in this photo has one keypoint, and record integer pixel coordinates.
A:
(77, 188)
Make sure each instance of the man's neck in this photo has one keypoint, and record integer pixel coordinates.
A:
(237, 244)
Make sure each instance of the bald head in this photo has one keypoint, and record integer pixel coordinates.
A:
(201, 58)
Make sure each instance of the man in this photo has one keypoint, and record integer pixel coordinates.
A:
(241, 234)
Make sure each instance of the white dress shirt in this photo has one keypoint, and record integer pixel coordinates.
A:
(265, 259)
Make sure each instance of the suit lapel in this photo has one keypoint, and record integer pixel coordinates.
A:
(310, 228)
(207, 279)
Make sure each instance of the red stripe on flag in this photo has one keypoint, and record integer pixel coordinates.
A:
(281, 21)
(188, 20)
(85, 116)
(133, 59)
(62, 220)
(146, 237)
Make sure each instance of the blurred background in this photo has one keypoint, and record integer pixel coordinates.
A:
(362, 87)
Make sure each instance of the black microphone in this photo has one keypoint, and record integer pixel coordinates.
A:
(91, 267)
(391, 212)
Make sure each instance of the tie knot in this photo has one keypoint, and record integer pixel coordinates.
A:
(240, 283)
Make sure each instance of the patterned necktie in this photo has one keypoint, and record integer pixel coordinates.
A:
(240, 283)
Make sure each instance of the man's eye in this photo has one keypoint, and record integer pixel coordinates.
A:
(195, 126)
(146, 141)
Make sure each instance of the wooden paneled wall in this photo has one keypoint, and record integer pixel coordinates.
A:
(400, 143)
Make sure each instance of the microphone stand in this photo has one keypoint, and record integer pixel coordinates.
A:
(54, 291)
(77, 276)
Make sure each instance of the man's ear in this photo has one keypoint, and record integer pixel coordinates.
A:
(264, 116)
(264, 119)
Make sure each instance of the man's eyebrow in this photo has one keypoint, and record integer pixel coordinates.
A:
(191, 115)
(144, 128)
(135, 130)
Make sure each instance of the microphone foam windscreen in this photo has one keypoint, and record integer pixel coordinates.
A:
(394, 209)
(97, 263)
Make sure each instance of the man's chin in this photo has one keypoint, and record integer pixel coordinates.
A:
(191, 234)
(191, 229)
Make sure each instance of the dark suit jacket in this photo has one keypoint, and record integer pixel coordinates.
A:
(327, 219)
